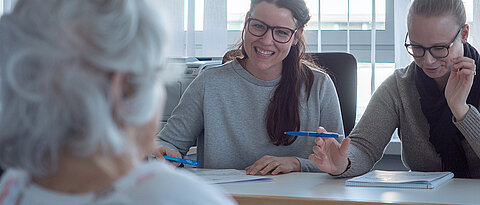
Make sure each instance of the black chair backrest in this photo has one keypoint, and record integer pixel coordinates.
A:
(342, 68)
(1, 172)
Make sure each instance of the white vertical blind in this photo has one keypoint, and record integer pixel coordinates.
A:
(402, 58)
(215, 28)
(373, 47)
(175, 11)
(475, 29)
(190, 41)
(348, 26)
(319, 28)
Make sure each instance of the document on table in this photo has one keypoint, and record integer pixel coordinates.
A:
(224, 176)
(403, 179)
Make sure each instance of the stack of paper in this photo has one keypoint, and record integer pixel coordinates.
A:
(403, 179)
(223, 176)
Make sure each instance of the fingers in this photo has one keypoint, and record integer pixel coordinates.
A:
(271, 166)
(318, 157)
(321, 130)
(320, 141)
(162, 150)
(259, 165)
(280, 170)
(274, 165)
(464, 65)
(344, 146)
(173, 153)
(321, 162)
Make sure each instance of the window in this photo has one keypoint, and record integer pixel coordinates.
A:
(334, 14)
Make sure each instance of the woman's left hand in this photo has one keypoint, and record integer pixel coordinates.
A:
(275, 165)
(458, 86)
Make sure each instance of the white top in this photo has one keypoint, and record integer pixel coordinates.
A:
(149, 183)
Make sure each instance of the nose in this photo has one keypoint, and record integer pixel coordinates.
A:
(428, 58)
(267, 38)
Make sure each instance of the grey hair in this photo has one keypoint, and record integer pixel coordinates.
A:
(56, 62)
(435, 8)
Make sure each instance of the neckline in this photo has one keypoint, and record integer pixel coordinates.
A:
(242, 72)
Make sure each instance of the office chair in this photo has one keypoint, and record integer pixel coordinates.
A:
(342, 68)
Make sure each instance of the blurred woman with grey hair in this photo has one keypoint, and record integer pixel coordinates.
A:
(81, 93)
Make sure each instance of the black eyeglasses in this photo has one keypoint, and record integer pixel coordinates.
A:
(279, 34)
(418, 51)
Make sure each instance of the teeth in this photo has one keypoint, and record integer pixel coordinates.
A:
(264, 52)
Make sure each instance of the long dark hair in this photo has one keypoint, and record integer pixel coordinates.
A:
(283, 111)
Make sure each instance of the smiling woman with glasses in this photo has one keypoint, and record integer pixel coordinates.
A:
(433, 102)
(243, 107)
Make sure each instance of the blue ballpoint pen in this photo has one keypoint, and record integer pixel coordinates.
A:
(183, 161)
(313, 134)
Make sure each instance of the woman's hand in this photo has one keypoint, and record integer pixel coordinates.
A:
(162, 150)
(275, 165)
(458, 86)
(329, 155)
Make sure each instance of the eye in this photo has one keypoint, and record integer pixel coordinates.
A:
(283, 32)
(258, 26)
(438, 48)
(416, 48)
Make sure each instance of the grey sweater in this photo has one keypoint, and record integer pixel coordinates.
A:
(227, 105)
(396, 104)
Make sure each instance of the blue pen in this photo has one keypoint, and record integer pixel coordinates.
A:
(313, 134)
(183, 161)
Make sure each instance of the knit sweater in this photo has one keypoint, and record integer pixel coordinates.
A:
(227, 105)
(395, 104)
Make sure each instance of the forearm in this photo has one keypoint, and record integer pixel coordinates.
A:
(470, 128)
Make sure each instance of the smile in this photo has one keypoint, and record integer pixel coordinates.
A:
(264, 52)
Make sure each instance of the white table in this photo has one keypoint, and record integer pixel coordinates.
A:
(320, 188)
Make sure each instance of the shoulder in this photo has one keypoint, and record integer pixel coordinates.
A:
(400, 84)
(160, 182)
(401, 79)
(321, 77)
(224, 69)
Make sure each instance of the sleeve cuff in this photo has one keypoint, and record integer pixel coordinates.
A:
(471, 124)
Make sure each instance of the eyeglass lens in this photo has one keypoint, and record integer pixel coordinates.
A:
(280, 34)
(419, 51)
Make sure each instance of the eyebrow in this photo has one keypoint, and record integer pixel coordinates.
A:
(284, 26)
(435, 44)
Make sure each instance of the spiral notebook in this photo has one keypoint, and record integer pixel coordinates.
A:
(401, 179)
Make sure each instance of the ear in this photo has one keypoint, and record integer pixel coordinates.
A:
(465, 31)
(297, 36)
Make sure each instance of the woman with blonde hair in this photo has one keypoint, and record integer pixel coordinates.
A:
(434, 102)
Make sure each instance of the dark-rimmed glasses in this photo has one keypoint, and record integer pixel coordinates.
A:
(418, 51)
(259, 28)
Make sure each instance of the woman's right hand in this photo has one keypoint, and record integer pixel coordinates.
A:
(329, 155)
(163, 150)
